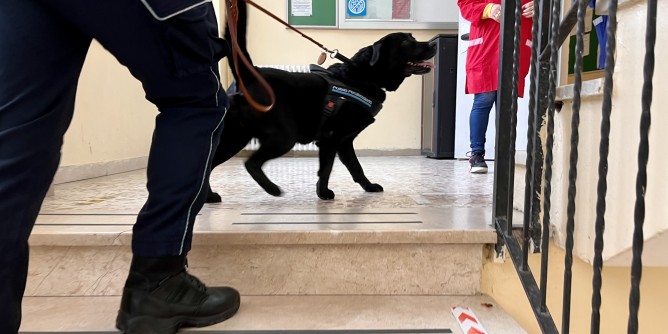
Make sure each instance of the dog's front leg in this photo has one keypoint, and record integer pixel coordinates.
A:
(349, 159)
(265, 153)
(327, 154)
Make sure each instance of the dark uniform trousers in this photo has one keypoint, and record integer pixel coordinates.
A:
(43, 44)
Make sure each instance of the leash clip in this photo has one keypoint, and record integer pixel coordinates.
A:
(333, 53)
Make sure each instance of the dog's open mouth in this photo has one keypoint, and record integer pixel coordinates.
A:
(418, 68)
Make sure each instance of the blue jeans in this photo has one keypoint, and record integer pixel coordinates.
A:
(43, 45)
(479, 118)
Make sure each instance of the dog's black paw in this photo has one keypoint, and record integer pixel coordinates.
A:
(373, 188)
(273, 190)
(213, 197)
(325, 194)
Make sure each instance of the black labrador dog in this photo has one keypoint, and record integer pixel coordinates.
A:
(330, 107)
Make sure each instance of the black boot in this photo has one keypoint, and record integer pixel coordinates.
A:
(160, 297)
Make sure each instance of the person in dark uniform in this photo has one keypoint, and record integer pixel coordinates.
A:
(173, 48)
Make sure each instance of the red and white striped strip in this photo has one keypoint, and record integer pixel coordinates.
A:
(401, 9)
(467, 320)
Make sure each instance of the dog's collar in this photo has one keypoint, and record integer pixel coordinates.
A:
(339, 93)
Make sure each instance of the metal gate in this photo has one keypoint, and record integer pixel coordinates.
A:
(549, 33)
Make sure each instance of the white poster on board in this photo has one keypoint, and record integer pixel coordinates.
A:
(301, 8)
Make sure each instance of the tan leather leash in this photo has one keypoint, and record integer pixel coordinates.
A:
(232, 18)
(332, 53)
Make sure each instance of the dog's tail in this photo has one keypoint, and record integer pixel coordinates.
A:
(242, 29)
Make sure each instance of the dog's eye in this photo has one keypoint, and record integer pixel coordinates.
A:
(408, 43)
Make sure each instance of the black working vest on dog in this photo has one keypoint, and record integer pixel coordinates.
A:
(339, 93)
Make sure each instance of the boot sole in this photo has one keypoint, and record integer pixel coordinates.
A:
(478, 170)
(151, 325)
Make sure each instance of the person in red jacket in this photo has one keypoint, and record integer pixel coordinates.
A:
(482, 66)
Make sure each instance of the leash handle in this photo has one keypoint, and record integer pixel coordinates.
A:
(232, 18)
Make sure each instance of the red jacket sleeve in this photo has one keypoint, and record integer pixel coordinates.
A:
(472, 9)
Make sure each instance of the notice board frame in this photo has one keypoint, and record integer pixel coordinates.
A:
(330, 14)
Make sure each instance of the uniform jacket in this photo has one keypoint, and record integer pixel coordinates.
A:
(165, 9)
(482, 59)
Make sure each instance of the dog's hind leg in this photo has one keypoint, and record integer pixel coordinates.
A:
(232, 140)
(269, 149)
(349, 159)
(229, 146)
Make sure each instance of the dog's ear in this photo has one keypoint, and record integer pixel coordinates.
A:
(376, 53)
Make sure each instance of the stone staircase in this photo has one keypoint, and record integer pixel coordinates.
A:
(395, 262)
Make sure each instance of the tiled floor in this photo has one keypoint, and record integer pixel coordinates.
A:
(409, 182)
(419, 194)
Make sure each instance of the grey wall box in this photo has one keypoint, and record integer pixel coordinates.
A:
(439, 101)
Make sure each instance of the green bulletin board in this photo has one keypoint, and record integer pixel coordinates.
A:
(590, 61)
(323, 15)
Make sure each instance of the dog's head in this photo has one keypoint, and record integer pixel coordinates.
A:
(393, 58)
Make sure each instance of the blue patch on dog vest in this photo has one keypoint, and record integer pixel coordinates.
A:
(340, 93)
(352, 94)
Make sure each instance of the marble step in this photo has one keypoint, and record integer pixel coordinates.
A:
(363, 269)
(422, 225)
(422, 251)
(286, 315)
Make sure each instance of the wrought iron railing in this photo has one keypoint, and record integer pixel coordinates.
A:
(549, 33)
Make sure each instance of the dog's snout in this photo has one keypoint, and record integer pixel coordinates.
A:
(432, 44)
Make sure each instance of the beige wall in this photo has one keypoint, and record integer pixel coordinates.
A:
(114, 123)
(501, 283)
(623, 152)
(112, 120)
